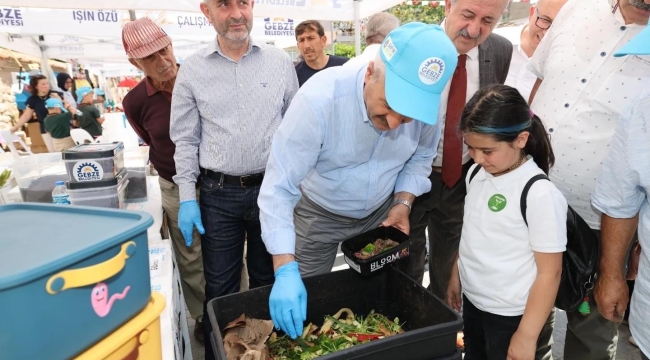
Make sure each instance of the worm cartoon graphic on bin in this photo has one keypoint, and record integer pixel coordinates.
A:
(100, 301)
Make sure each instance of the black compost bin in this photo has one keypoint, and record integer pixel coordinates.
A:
(430, 329)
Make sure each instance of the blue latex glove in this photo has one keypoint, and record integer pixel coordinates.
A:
(189, 216)
(288, 301)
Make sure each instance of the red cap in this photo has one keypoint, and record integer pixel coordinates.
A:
(143, 37)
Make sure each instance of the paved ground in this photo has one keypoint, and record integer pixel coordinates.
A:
(626, 351)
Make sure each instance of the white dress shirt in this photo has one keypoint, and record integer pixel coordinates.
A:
(584, 90)
(519, 77)
(623, 191)
(368, 55)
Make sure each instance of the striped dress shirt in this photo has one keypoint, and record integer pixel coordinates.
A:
(224, 113)
(328, 148)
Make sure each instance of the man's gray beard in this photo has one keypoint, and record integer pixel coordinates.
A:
(639, 4)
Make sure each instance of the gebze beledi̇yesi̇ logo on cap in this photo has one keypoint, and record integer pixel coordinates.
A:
(389, 49)
(431, 70)
(88, 171)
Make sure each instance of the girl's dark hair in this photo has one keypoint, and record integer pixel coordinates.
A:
(500, 111)
(33, 83)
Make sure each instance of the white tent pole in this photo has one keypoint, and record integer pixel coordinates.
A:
(46, 69)
(332, 35)
(132, 15)
(357, 29)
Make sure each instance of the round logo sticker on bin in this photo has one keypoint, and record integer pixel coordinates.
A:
(88, 171)
(497, 202)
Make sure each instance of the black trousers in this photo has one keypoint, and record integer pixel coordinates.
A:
(441, 209)
(487, 335)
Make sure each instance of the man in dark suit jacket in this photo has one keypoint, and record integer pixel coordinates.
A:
(484, 59)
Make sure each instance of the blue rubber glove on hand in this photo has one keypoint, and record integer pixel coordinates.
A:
(189, 216)
(288, 301)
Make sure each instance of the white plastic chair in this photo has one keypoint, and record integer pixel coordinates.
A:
(81, 136)
(6, 137)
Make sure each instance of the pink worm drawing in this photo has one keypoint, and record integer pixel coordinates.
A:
(100, 301)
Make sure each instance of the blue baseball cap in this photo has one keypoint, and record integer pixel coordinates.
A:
(420, 59)
(99, 92)
(55, 103)
(639, 45)
(83, 91)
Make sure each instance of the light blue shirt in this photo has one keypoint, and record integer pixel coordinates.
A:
(622, 191)
(328, 146)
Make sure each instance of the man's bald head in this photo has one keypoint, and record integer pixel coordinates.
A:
(379, 26)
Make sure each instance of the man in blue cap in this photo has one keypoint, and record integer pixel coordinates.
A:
(621, 195)
(348, 158)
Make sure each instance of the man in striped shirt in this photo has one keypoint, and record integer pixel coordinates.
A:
(228, 100)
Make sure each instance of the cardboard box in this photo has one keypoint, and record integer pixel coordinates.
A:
(34, 130)
(165, 279)
(40, 149)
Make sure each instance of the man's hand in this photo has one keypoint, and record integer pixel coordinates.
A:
(522, 347)
(612, 296)
(288, 300)
(454, 296)
(398, 217)
(189, 216)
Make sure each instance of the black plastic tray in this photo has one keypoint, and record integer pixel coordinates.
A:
(430, 328)
(369, 266)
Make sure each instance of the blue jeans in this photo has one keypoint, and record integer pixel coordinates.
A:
(230, 215)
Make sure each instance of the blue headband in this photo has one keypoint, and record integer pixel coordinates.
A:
(505, 130)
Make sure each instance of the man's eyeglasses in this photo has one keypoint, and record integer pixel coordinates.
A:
(541, 22)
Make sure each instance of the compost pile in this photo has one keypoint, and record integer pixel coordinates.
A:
(137, 188)
(336, 334)
(40, 189)
(375, 248)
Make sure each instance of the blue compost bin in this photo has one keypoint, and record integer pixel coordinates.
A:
(69, 276)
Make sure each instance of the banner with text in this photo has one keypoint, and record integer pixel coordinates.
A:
(338, 10)
(108, 23)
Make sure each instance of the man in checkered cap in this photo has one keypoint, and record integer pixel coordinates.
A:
(147, 108)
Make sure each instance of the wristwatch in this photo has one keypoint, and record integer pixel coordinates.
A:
(403, 202)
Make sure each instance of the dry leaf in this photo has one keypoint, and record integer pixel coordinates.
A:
(245, 338)
(239, 322)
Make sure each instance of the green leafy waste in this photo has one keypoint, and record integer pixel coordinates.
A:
(377, 247)
(336, 334)
(4, 177)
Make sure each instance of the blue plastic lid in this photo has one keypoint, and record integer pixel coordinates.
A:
(59, 183)
(64, 236)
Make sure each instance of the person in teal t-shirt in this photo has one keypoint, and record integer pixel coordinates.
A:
(91, 120)
(57, 124)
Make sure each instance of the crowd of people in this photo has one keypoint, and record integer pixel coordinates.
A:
(417, 132)
(60, 110)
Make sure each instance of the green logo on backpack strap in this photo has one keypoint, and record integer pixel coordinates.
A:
(497, 202)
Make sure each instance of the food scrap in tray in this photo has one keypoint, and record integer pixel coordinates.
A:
(336, 334)
(377, 247)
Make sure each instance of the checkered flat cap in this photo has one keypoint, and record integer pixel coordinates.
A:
(143, 37)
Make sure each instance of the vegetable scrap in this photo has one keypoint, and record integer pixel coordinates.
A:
(375, 248)
(336, 334)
